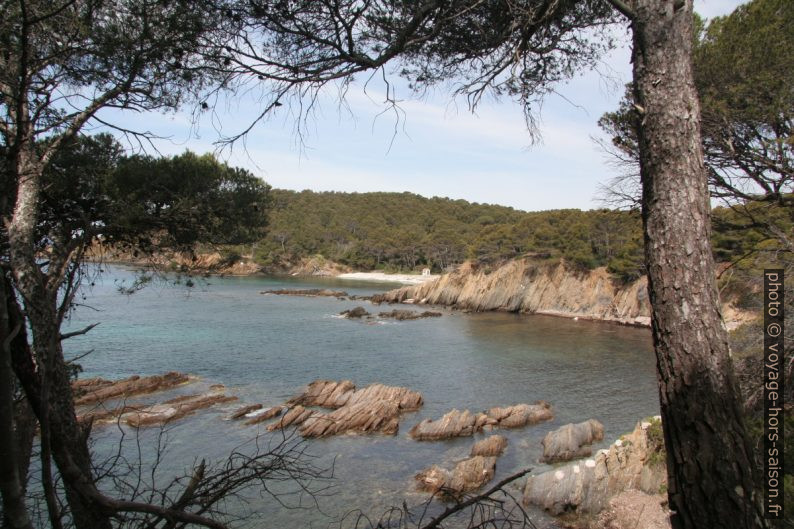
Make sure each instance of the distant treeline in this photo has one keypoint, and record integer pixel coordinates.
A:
(403, 231)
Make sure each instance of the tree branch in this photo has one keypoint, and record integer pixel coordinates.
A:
(624, 8)
(449, 511)
(72, 334)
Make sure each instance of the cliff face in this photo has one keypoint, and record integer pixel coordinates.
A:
(523, 286)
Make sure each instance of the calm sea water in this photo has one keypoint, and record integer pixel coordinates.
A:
(264, 348)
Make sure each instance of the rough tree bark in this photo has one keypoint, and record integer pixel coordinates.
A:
(709, 462)
(47, 384)
(15, 514)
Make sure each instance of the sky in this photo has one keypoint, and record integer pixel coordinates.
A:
(434, 147)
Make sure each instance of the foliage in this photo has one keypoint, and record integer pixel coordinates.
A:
(655, 434)
(92, 189)
(187, 199)
(744, 72)
(406, 231)
(402, 231)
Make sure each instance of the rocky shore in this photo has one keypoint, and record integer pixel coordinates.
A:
(604, 491)
(524, 286)
(528, 286)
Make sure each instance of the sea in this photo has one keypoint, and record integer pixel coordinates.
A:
(266, 348)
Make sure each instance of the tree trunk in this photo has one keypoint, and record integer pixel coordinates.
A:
(47, 384)
(15, 513)
(709, 461)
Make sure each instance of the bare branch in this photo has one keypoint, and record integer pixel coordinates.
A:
(72, 334)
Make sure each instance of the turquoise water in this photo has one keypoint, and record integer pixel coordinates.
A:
(265, 347)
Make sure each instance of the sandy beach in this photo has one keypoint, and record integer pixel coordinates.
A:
(408, 279)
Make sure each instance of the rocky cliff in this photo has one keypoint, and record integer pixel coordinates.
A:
(525, 286)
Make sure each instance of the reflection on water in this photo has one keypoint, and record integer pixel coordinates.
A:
(265, 347)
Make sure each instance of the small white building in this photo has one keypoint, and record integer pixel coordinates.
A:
(425, 271)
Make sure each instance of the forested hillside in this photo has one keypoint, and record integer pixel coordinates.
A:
(403, 231)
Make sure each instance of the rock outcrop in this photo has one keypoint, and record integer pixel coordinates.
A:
(374, 409)
(93, 390)
(294, 417)
(454, 423)
(633, 462)
(571, 441)
(468, 475)
(464, 423)
(325, 394)
(364, 416)
(521, 414)
(493, 446)
(521, 285)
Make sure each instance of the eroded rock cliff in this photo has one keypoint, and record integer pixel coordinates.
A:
(525, 286)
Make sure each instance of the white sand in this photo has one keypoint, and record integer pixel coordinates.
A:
(408, 279)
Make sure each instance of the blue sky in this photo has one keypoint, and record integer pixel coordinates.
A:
(439, 147)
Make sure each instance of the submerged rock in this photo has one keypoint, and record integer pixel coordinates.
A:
(633, 462)
(571, 441)
(402, 315)
(173, 409)
(357, 312)
(92, 390)
(492, 446)
(310, 292)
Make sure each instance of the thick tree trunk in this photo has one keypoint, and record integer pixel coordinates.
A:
(47, 384)
(15, 514)
(709, 461)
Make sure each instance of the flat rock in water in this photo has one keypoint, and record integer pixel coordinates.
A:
(173, 409)
(94, 390)
(521, 414)
(588, 485)
(468, 475)
(492, 446)
(571, 441)
(310, 292)
(453, 424)
(403, 315)
(464, 423)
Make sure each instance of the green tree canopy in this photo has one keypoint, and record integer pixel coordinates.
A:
(744, 74)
